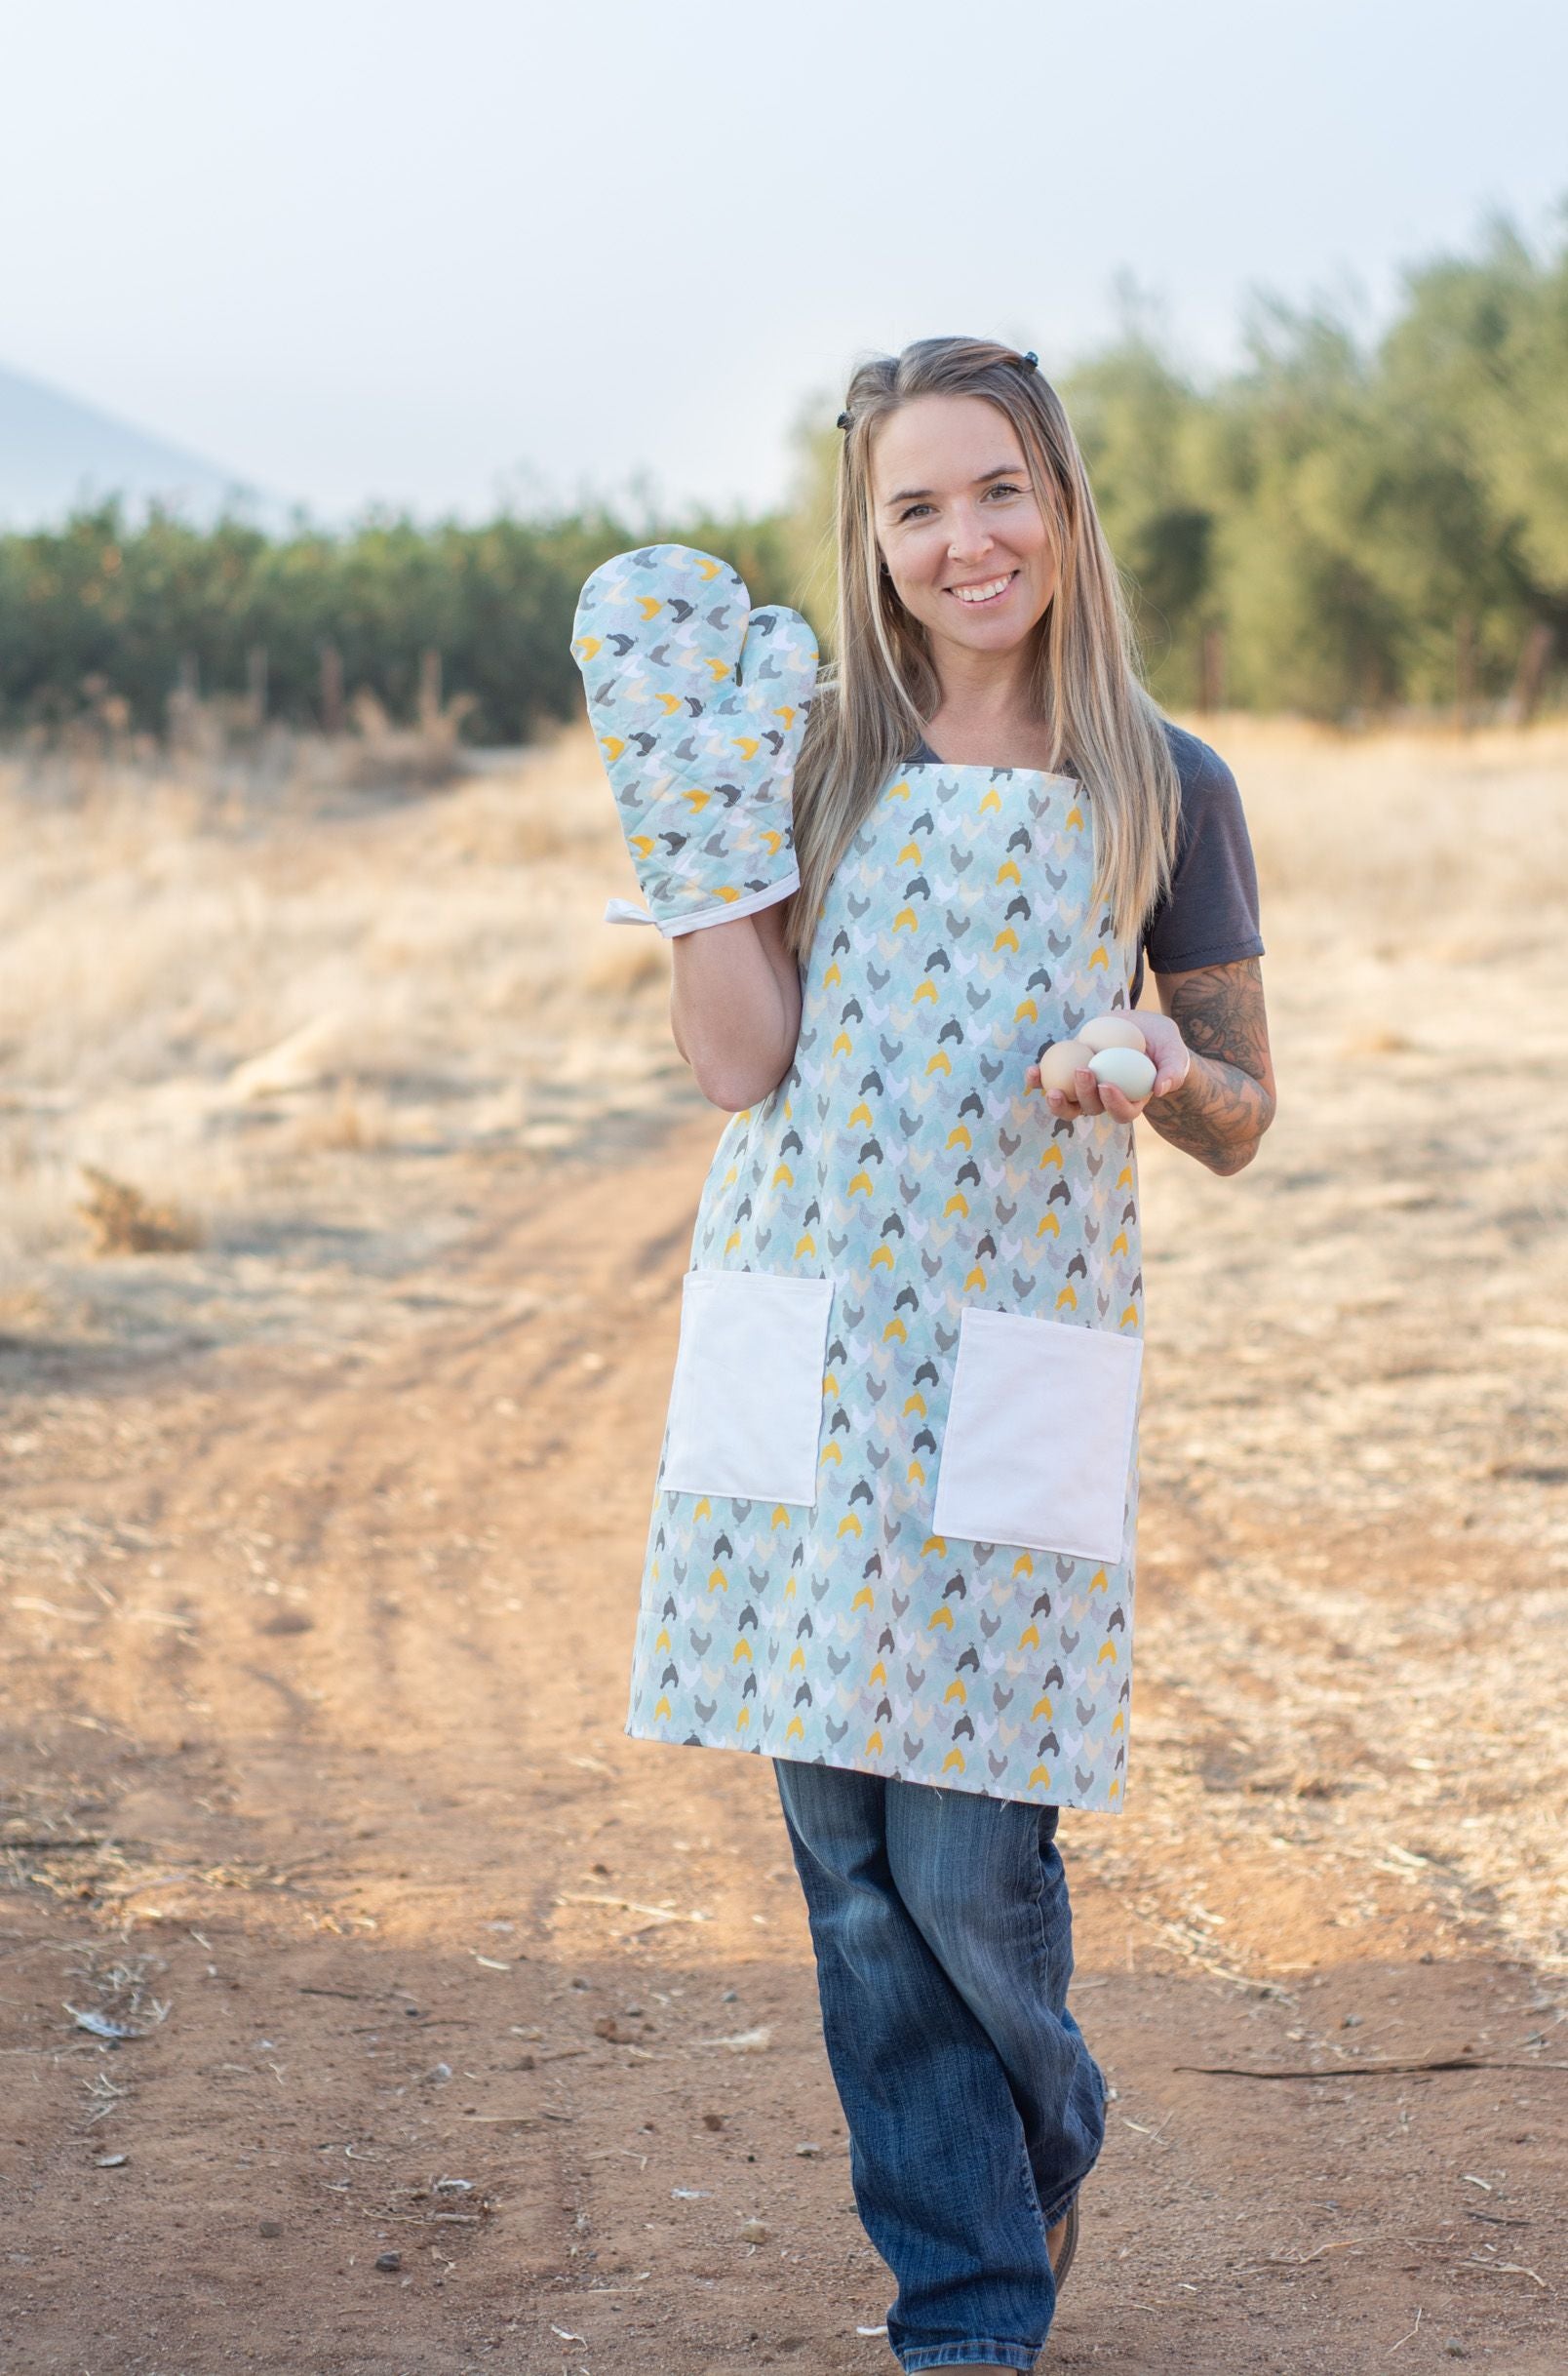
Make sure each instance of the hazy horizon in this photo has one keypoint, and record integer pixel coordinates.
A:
(348, 267)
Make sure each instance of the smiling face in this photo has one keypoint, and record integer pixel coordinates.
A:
(958, 524)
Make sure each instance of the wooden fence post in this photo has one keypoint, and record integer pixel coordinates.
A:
(1531, 675)
(429, 689)
(332, 689)
(1464, 672)
(182, 708)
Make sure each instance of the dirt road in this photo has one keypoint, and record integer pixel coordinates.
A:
(319, 1546)
(429, 1960)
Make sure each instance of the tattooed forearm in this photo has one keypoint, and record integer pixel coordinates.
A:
(1219, 1114)
(1227, 1100)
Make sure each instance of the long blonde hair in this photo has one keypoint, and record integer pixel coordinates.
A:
(871, 710)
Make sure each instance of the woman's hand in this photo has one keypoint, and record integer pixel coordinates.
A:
(1168, 1053)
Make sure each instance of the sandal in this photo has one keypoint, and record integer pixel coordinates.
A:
(1061, 2252)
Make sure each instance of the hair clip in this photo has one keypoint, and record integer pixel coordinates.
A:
(844, 421)
(1027, 363)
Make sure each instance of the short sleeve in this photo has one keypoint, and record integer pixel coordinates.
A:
(1209, 916)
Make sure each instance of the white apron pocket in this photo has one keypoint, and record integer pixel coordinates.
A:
(1039, 1435)
(746, 1402)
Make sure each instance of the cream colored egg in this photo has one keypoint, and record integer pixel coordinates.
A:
(1059, 1063)
(1113, 1031)
(1125, 1069)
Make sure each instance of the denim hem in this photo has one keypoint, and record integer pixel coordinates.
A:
(984, 2352)
(1052, 2212)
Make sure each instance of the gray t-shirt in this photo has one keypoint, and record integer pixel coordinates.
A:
(1209, 916)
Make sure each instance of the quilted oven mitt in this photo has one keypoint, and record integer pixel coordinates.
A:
(699, 703)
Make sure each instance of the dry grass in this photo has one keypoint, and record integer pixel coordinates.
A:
(209, 991)
(1418, 834)
(215, 987)
(1358, 1349)
(121, 1221)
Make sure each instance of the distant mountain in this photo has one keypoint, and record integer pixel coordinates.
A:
(56, 455)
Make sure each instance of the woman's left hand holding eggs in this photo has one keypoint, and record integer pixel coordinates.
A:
(1167, 1052)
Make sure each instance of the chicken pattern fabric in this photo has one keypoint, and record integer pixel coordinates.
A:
(894, 1520)
(699, 704)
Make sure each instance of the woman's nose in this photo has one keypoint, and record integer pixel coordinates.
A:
(971, 539)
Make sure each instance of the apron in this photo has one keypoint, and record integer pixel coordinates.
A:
(894, 1516)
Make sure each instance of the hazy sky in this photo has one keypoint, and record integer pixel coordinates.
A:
(429, 253)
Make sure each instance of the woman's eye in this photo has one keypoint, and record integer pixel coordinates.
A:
(1002, 489)
(913, 509)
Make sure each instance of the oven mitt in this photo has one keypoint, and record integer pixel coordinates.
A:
(699, 703)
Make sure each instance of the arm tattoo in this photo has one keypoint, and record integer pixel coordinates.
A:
(1227, 1102)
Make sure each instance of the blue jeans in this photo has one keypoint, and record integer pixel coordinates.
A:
(944, 1947)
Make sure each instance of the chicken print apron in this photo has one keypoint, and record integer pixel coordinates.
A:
(894, 1516)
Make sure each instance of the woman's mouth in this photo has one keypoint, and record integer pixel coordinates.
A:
(990, 590)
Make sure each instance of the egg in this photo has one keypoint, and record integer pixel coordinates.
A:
(1113, 1031)
(1060, 1061)
(1125, 1069)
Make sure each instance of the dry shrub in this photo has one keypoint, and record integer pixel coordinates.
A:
(357, 1119)
(379, 756)
(121, 1220)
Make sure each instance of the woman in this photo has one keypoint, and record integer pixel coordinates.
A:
(891, 1542)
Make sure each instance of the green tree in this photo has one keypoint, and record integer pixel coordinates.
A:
(1138, 422)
